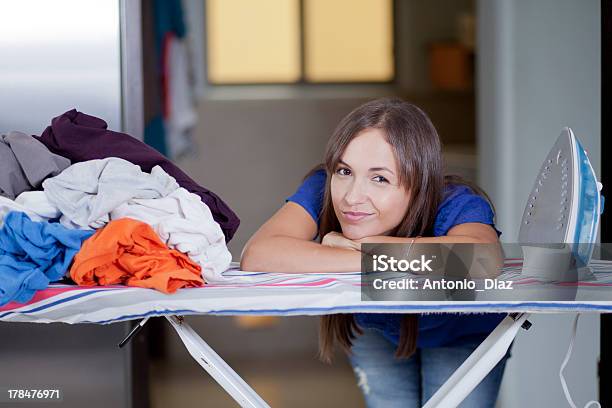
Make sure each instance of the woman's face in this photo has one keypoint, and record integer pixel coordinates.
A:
(366, 193)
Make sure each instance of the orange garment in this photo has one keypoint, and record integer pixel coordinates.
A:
(130, 252)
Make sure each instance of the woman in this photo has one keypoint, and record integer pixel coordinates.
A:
(382, 181)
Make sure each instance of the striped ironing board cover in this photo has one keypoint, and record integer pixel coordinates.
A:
(284, 294)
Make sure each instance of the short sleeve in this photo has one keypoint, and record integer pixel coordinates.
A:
(310, 194)
(461, 206)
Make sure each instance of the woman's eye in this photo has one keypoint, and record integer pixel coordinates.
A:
(380, 179)
(343, 171)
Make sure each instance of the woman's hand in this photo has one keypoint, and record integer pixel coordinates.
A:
(337, 240)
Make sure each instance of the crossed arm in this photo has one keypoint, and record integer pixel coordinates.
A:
(284, 244)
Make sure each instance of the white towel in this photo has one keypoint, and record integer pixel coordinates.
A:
(87, 192)
(184, 223)
(37, 203)
(7, 205)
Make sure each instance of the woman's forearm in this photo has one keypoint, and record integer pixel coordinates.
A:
(445, 239)
(277, 253)
(293, 255)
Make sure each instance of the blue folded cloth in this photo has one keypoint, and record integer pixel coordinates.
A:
(33, 254)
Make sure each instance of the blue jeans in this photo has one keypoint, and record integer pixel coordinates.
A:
(390, 382)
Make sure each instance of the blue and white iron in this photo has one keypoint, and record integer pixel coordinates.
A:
(558, 229)
(562, 212)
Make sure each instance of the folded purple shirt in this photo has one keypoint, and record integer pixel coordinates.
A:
(81, 137)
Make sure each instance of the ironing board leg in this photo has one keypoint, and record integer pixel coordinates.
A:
(476, 367)
(216, 366)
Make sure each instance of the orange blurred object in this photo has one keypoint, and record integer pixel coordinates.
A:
(256, 322)
(451, 66)
(129, 252)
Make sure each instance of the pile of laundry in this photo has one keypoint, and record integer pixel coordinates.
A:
(102, 208)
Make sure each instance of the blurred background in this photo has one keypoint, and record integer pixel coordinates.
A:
(243, 95)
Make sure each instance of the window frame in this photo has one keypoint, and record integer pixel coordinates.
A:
(302, 82)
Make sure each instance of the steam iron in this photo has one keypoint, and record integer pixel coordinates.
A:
(560, 221)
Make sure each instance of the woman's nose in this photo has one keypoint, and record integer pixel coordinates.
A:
(355, 194)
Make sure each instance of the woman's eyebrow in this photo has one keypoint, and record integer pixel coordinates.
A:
(370, 169)
(343, 163)
(381, 169)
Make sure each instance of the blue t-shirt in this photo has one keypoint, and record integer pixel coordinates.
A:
(460, 205)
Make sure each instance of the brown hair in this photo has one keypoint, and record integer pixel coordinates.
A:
(418, 152)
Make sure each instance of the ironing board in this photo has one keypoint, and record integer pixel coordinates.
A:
(284, 294)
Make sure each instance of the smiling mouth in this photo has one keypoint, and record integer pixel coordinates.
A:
(354, 216)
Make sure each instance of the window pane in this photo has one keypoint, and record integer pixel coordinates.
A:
(348, 40)
(253, 41)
